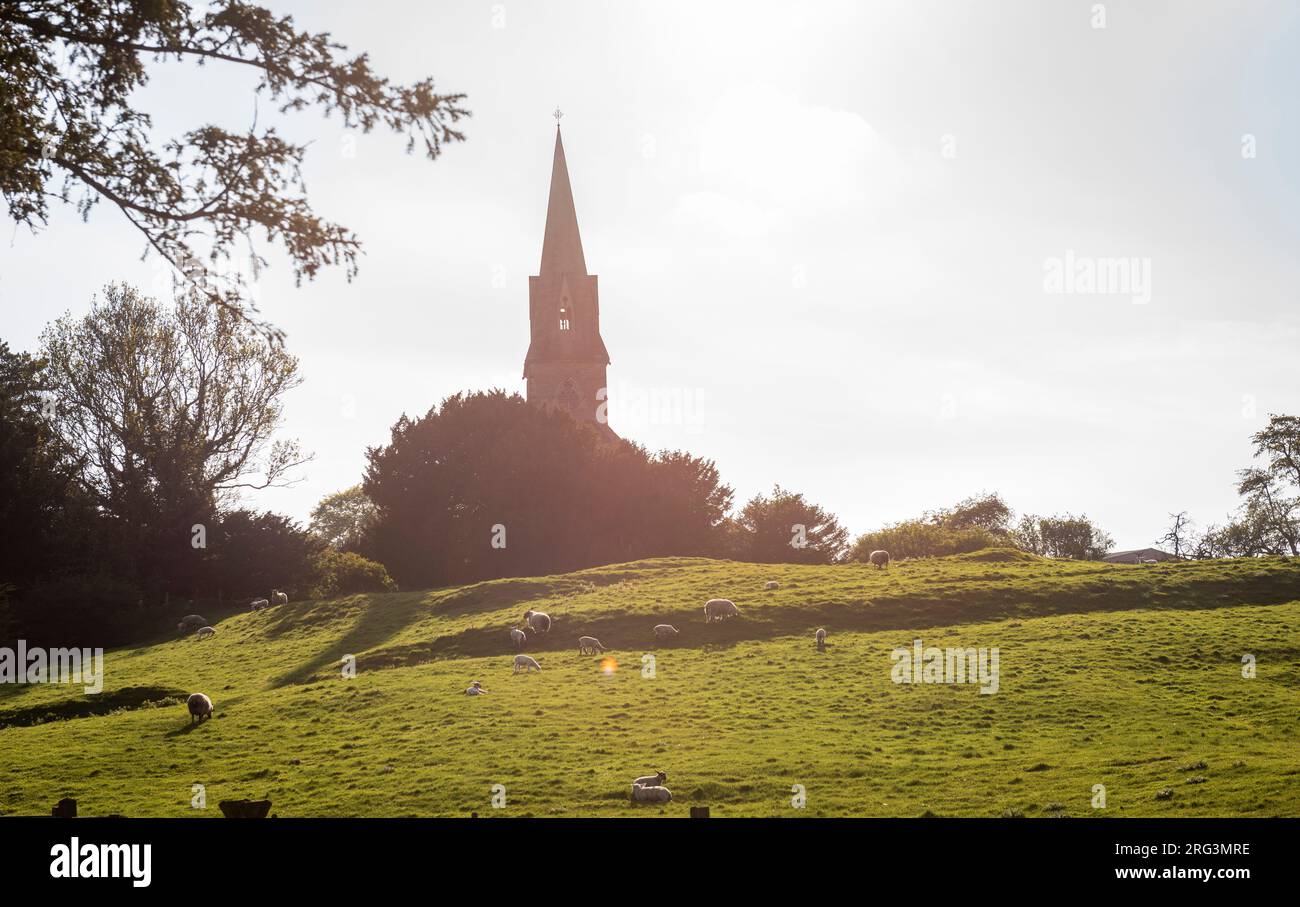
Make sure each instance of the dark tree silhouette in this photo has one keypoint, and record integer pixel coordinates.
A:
(69, 70)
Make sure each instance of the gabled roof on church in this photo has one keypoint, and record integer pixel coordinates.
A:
(562, 244)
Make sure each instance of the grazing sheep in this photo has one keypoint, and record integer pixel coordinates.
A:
(719, 609)
(200, 707)
(655, 780)
(589, 645)
(475, 688)
(1148, 560)
(528, 664)
(206, 632)
(879, 559)
(258, 604)
(518, 637)
(665, 631)
(643, 794)
(537, 621)
(191, 622)
(771, 584)
(821, 637)
(279, 597)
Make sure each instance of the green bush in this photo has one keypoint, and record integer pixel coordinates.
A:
(917, 538)
(346, 573)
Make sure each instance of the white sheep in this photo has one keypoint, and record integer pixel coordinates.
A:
(879, 559)
(665, 631)
(475, 688)
(528, 664)
(537, 621)
(206, 632)
(771, 584)
(191, 622)
(719, 609)
(644, 794)
(518, 637)
(589, 646)
(258, 604)
(279, 597)
(655, 780)
(200, 707)
(821, 637)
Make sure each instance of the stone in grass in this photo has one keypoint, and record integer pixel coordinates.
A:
(1193, 766)
(1164, 794)
(1012, 813)
(1198, 779)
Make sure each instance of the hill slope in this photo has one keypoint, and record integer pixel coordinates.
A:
(1125, 676)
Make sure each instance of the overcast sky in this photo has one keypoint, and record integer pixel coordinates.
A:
(848, 243)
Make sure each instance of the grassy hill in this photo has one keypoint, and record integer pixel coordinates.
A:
(1125, 676)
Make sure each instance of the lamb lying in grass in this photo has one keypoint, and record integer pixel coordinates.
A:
(655, 780)
(589, 645)
(771, 584)
(475, 689)
(200, 707)
(665, 631)
(526, 663)
(719, 609)
(258, 604)
(644, 794)
(206, 632)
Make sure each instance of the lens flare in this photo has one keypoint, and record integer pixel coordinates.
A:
(608, 666)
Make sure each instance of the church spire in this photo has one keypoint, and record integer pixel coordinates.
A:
(561, 245)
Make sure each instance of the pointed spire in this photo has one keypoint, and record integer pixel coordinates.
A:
(561, 246)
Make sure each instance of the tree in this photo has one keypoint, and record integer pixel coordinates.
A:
(46, 517)
(1064, 536)
(487, 485)
(171, 414)
(1273, 491)
(982, 511)
(252, 553)
(70, 71)
(344, 519)
(784, 528)
(923, 538)
(1179, 535)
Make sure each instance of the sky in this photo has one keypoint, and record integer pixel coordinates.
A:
(888, 255)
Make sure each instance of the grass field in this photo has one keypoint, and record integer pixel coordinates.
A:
(1124, 676)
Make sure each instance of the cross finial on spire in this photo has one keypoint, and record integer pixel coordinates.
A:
(558, 113)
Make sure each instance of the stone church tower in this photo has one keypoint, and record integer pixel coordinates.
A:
(566, 361)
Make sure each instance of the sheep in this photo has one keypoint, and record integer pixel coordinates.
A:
(588, 645)
(518, 637)
(665, 631)
(258, 604)
(528, 664)
(537, 621)
(475, 688)
(191, 622)
(279, 597)
(879, 559)
(719, 609)
(771, 584)
(821, 637)
(655, 780)
(643, 794)
(206, 632)
(200, 707)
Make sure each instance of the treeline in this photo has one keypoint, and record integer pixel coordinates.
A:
(128, 442)
(124, 446)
